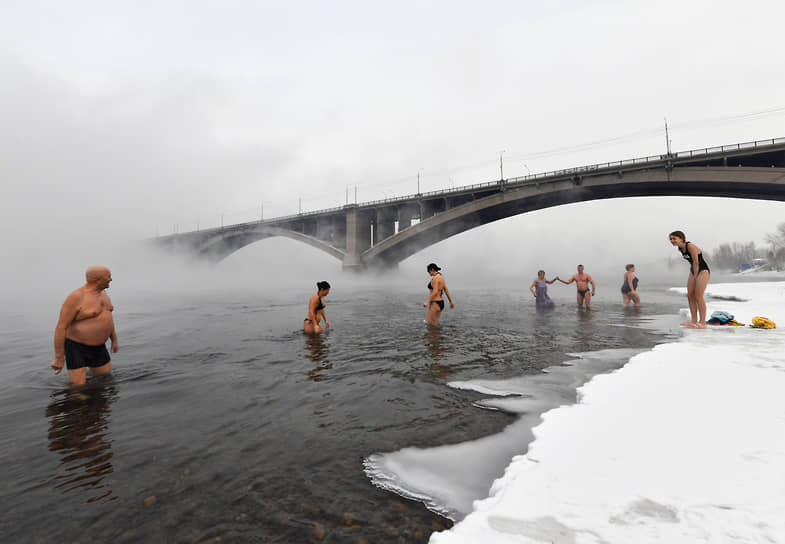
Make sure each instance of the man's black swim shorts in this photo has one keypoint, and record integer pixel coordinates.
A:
(79, 355)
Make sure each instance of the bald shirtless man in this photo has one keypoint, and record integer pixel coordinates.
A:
(582, 281)
(84, 326)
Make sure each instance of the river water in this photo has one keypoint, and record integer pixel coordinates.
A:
(222, 420)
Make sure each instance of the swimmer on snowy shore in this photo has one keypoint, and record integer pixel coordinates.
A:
(697, 281)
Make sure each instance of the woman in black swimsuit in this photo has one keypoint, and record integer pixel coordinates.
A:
(435, 302)
(696, 281)
(629, 287)
(316, 309)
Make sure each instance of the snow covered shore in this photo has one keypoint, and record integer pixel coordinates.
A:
(685, 443)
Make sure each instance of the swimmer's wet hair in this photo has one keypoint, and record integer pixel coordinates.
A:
(628, 266)
(678, 234)
(322, 285)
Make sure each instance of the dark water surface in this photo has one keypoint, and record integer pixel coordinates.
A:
(223, 420)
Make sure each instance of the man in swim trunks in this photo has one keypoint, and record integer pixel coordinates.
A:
(83, 328)
(582, 281)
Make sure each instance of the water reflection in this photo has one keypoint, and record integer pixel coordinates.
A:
(584, 332)
(434, 338)
(318, 351)
(79, 432)
(632, 310)
(438, 351)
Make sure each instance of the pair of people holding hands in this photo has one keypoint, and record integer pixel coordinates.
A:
(539, 288)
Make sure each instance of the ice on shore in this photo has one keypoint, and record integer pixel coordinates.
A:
(685, 443)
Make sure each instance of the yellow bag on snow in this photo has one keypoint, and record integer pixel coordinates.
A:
(763, 323)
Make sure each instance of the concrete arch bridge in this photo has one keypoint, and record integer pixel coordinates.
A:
(384, 232)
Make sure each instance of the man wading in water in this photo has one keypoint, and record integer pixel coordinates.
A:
(582, 281)
(84, 326)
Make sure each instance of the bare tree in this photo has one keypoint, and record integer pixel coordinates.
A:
(776, 252)
(732, 256)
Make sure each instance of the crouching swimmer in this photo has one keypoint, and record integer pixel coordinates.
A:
(316, 305)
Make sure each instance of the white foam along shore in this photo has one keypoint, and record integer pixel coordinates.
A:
(685, 443)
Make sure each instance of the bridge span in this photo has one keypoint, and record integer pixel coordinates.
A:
(384, 232)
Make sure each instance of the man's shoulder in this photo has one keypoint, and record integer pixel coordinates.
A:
(76, 294)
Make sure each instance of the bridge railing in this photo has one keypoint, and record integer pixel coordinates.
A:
(532, 178)
(729, 148)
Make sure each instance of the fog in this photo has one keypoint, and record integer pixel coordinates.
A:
(134, 119)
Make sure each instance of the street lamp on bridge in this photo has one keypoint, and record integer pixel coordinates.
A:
(501, 165)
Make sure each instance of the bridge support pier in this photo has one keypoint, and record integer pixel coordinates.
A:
(384, 225)
(405, 214)
(358, 236)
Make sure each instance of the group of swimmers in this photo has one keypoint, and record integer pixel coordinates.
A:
(697, 281)
(86, 322)
(629, 288)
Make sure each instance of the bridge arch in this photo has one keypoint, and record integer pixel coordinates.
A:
(220, 244)
(742, 182)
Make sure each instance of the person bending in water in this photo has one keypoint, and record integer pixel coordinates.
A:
(696, 281)
(582, 281)
(629, 287)
(84, 326)
(316, 306)
(435, 303)
(539, 289)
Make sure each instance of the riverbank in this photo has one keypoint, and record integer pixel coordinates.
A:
(682, 444)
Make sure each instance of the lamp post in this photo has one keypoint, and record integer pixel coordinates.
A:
(501, 165)
(418, 180)
(667, 139)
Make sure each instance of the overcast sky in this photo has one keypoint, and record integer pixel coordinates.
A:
(130, 118)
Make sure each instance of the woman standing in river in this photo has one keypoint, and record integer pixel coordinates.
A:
(539, 289)
(435, 302)
(629, 287)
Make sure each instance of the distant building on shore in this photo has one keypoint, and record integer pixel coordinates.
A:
(754, 264)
